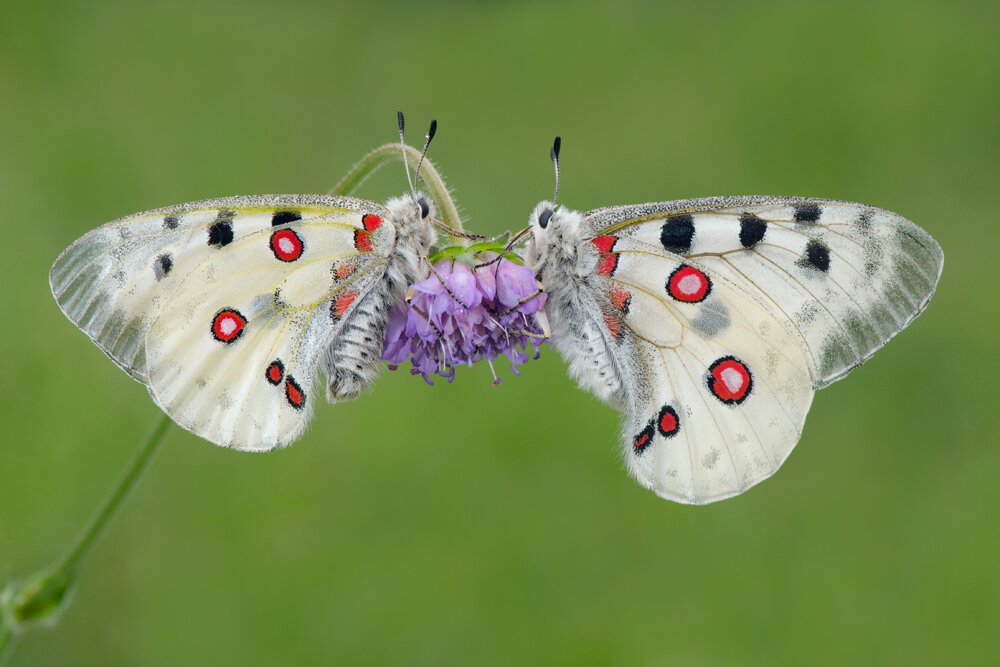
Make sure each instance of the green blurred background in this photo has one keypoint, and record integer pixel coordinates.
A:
(468, 524)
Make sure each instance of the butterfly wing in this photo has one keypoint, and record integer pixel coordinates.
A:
(727, 313)
(223, 307)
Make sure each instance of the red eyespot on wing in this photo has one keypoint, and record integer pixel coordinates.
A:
(294, 394)
(607, 264)
(362, 240)
(342, 302)
(371, 221)
(228, 325)
(275, 372)
(730, 380)
(286, 245)
(604, 244)
(688, 284)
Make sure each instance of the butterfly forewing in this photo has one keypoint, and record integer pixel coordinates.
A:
(224, 307)
(848, 276)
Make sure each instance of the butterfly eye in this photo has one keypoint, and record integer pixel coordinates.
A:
(424, 208)
(543, 219)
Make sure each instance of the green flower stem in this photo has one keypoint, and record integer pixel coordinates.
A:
(6, 643)
(41, 598)
(378, 158)
(127, 480)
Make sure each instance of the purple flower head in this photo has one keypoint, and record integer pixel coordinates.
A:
(460, 315)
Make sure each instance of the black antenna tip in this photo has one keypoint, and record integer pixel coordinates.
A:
(399, 119)
(430, 132)
(556, 145)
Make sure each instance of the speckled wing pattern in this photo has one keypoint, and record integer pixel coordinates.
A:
(727, 313)
(224, 307)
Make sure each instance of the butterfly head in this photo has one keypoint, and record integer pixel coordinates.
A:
(554, 232)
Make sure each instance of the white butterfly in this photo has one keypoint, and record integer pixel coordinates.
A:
(710, 322)
(228, 309)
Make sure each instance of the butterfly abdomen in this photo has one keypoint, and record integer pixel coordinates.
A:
(354, 356)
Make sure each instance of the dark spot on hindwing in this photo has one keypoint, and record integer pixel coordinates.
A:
(807, 213)
(284, 217)
(816, 256)
(294, 394)
(677, 234)
(643, 440)
(667, 422)
(162, 265)
(752, 230)
(221, 233)
(275, 372)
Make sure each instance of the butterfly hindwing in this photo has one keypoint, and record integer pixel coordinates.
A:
(720, 388)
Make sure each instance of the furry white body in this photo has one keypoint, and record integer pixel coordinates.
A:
(710, 323)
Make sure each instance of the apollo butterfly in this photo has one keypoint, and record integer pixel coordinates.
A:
(711, 322)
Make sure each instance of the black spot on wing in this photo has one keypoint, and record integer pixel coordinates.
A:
(221, 233)
(807, 213)
(816, 256)
(162, 265)
(284, 217)
(170, 222)
(752, 230)
(677, 234)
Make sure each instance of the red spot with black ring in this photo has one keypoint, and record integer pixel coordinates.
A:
(730, 380)
(286, 245)
(688, 284)
(228, 325)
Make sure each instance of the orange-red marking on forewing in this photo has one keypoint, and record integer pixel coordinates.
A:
(371, 222)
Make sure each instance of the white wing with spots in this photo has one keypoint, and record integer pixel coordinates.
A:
(711, 322)
(225, 308)
(849, 276)
(113, 280)
(718, 382)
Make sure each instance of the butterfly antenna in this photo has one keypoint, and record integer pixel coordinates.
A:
(427, 143)
(402, 146)
(554, 154)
